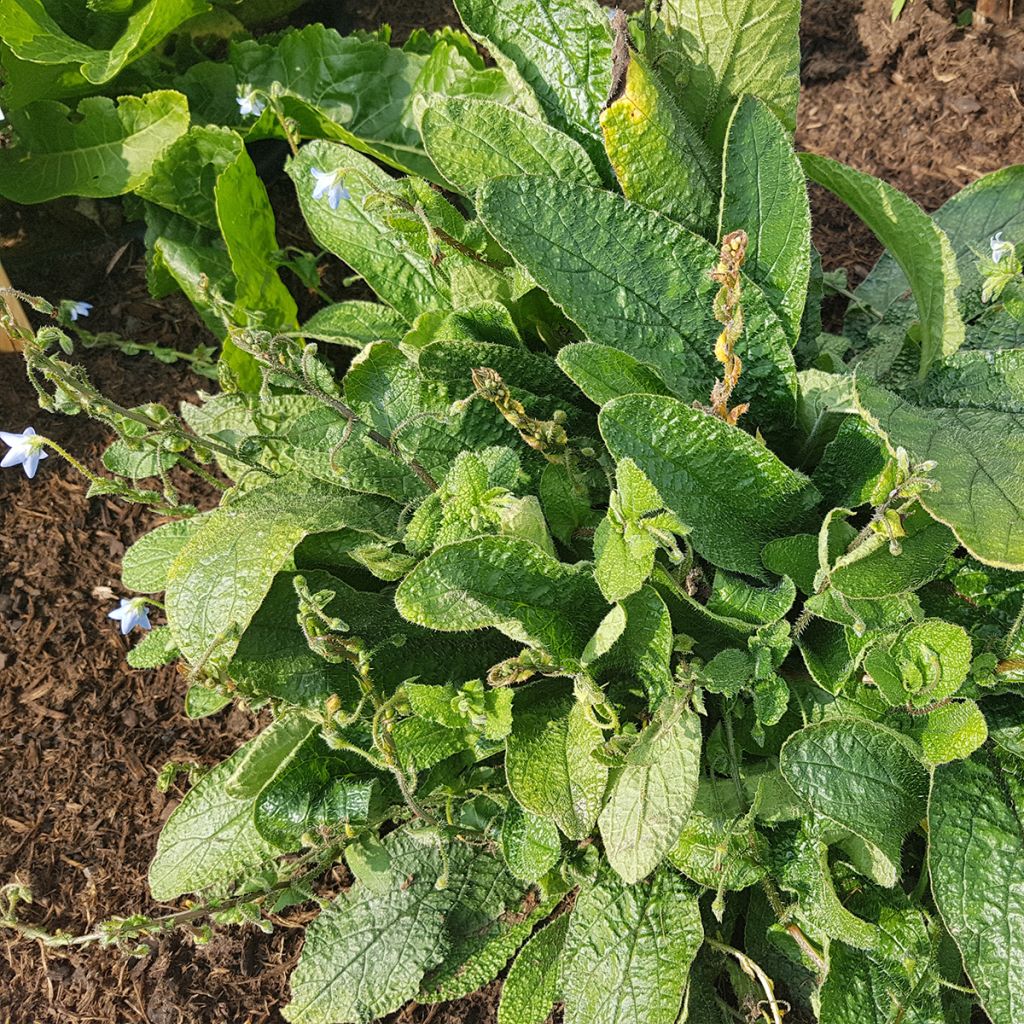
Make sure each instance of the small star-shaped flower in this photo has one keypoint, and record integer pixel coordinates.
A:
(250, 104)
(1000, 248)
(329, 183)
(77, 309)
(26, 449)
(133, 612)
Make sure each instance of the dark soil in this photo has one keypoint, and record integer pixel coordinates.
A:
(925, 104)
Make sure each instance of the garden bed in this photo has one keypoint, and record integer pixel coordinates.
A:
(924, 104)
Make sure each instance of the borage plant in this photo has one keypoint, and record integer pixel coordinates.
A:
(683, 676)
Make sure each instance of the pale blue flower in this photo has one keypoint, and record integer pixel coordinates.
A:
(999, 247)
(26, 449)
(77, 309)
(250, 104)
(329, 183)
(133, 612)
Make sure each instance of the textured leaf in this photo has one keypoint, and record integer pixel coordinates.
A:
(920, 248)
(247, 224)
(659, 159)
(603, 373)
(548, 758)
(871, 570)
(508, 584)
(561, 50)
(765, 193)
(367, 953)
(978, 455)
(358, 90)
(156, 648)
(651, 798)
(531, 987)
(976, 847)
(863, 777)
(732, 47)
(355, 324)
(530, 844)
(107, 149)
(33, 35)
(629, 949)
(471, 141)
(221, 576)
(637, 281)
(210, 839)
(399, 274)
(732, 492)
(953, 732)
(146, 563)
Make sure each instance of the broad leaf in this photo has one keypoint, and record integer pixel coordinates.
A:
(508, 584)
(660, 160)
(917, 244)
(146, 563)
(220, 577)
(637, 281)
(978, 455)
(560, 49)
(764, 193)
(732, 492)
(628, 950)
(862, 776)
(602, 372)
(531, 987)
(107, 149)
(355, 324)
(651, 797)
(548, 759)
(398, 273)
(976, 848)
(727, 48)
(530, 844)
(210, 839)
(471, 141)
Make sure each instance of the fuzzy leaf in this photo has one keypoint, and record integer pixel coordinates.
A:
(628, 950)
(531, 987)
(107, 150)
(651, 797)
(975, 851)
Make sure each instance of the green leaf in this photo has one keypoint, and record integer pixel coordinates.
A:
(727, 48)
(953, 732)
(976, 847)
(765, 193)
(872, 570)
(531, 987)
(978, 455)
(603, 373)
(358, 90)
(917, 244)
(628, 951)
(397, 272)
(651, 797)
(247, 223)
(471, 141)
(560, 49)
(862, 776)
(368, 952)
(146, 563)
(156, 648)
(548, 759)
(508, 584)
(34, 36)
(732, 492)
(221, 576)
(210, 839)
(355, 324)
(637, 281)
(107, 149)
(926, 662)
(659, 159)
(530, 844)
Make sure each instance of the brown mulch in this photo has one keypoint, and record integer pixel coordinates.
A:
(926, 104)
